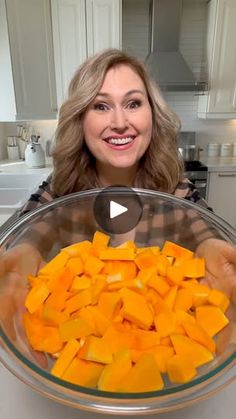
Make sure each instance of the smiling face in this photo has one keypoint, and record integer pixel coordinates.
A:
(118, 124)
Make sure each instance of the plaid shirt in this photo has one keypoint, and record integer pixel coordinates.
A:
(68, 224)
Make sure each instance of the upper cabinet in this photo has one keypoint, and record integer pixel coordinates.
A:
(80, 29)
(7, 95)
(69, 39)
(30, 92)
(220, 102)
(42, 43)
(103, 24)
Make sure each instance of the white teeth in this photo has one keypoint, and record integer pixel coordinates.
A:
(120, 140)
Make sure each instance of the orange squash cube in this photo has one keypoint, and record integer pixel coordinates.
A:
(83, 373)
(143, 376)
(113, 374)
(66, 355)
(211, 318)
(180, 369)
(219, 299)
(175, 250)
(74, 329)
(196, 352)
(136, 309)
(96, 349)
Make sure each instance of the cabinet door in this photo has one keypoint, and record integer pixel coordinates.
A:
(222, 195)
(103, 24)
(7, 94)
(29, 27)
(69, 38)
(223, 79)
(221, 101)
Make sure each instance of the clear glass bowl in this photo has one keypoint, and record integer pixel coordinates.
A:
(71, 219)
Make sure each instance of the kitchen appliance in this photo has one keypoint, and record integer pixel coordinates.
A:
(190, 152)
(76, 213)
(165, 61)
(34, 153)
(196, 172)
(12, 148)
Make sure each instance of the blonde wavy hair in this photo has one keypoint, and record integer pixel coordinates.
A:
(74, 166)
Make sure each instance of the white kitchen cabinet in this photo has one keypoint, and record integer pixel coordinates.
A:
(69, 38)
(220, 102)
(103, 24)
(28, 46)
(221, 195)
(7, 94)
(80, 29)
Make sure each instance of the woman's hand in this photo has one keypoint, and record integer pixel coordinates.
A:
(15, 265)
(220, 258)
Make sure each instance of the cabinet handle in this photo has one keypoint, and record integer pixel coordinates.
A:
(226, 174)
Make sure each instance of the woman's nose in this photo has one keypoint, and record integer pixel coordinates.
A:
(119, 119)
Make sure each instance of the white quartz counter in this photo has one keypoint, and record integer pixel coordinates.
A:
(20, 167)
(223, 164)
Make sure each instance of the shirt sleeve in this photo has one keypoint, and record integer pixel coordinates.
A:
(44, 233)
(42, 196)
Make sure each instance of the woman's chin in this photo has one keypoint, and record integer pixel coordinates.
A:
(123, 167)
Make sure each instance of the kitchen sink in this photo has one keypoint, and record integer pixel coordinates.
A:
(13, 198)
(15, 190)
(20, 180)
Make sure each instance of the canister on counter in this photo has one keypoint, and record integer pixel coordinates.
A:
(12, 148)
(234, 149)
(213, 150)
(226, 150)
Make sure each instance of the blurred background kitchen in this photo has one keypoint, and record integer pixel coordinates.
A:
(188, 45)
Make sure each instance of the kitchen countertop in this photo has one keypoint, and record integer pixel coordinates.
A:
(214, 164)
(18, 401)
(7, 166)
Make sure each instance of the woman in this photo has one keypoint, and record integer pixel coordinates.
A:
(115, 128)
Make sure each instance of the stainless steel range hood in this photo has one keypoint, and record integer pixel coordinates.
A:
(165, 62)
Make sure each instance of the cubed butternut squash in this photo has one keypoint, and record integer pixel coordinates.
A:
(118, 318)
(211, 318)
(143, 376)
(180, 369)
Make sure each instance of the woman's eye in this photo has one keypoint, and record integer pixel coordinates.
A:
(134, 104)
(100, 107)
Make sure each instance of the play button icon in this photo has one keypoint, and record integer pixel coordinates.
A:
(117, 209)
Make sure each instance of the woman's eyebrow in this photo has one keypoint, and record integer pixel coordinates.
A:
(130, 92)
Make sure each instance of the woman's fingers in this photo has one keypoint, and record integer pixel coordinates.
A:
(15, 265)
(39, 357)
(220, 258)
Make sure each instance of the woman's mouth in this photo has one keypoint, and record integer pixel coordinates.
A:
(120, 143)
